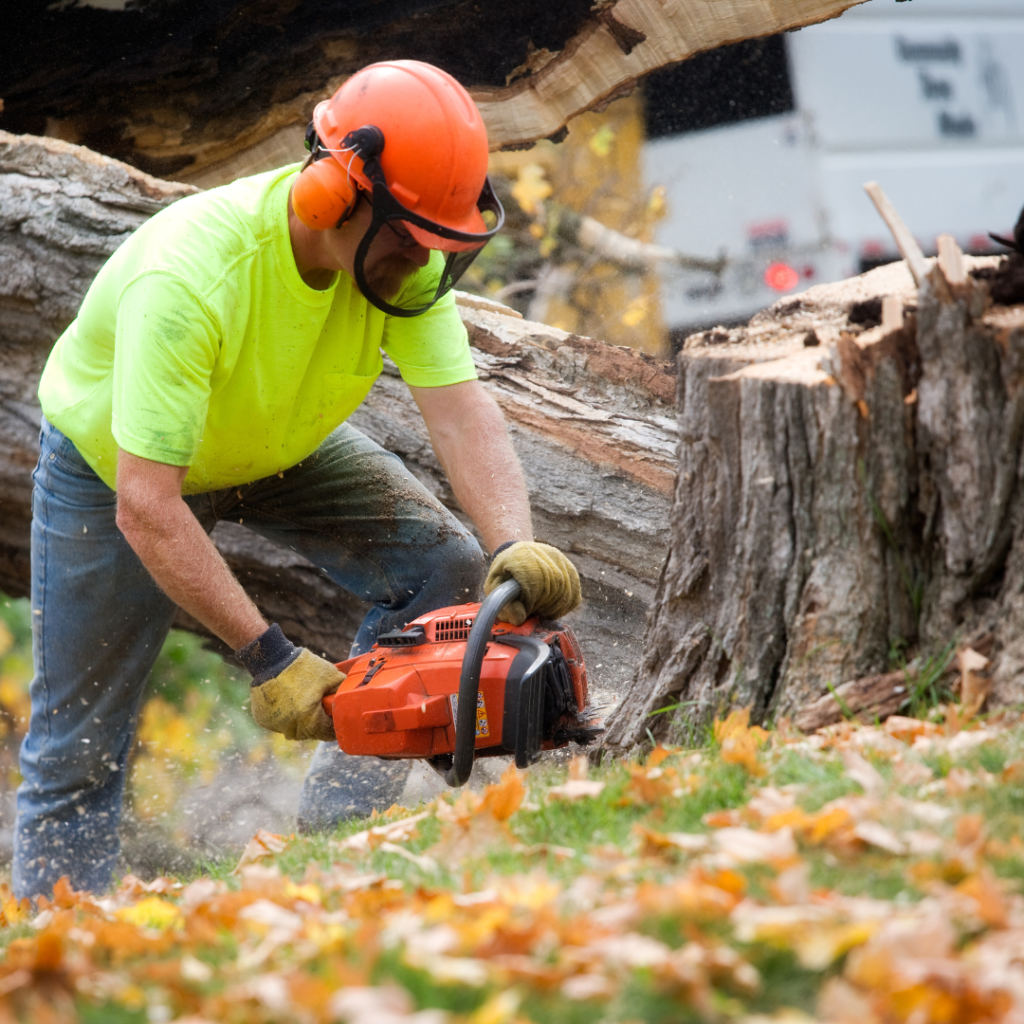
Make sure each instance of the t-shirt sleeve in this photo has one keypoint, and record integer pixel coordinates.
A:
(165, 351)
(430, 350)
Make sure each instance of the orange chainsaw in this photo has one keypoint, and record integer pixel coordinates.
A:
(456, 684)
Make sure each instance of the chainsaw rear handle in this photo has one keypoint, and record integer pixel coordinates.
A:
(469, 680)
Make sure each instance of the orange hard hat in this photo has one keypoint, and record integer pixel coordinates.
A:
(410, 135)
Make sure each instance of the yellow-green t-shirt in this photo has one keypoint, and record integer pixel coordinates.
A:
(199, 344)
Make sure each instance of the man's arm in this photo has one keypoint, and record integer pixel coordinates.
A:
(179, 555)
(467, 431)
(289, 682)
(469, 437)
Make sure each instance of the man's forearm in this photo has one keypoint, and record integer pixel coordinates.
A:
(190, 570)
(173, 546)
(475, 451)
(492, 492)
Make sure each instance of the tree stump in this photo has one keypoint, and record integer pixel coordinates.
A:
(849, 489)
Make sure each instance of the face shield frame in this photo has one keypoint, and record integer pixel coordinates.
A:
(368, 143)
(387, 210)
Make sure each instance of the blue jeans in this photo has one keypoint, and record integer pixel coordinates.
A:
(99, 621)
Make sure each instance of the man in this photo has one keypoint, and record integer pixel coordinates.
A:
(208, 375)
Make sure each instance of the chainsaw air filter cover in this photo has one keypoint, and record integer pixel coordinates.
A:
(400, 699)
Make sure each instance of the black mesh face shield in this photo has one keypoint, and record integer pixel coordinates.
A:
(387, 210)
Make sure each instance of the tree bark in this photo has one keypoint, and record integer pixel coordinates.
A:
(593, 424)
(845, 492)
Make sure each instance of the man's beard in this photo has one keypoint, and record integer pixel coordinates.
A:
(388, 274)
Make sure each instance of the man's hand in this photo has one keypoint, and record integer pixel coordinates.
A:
(288, 685)
(549, 581)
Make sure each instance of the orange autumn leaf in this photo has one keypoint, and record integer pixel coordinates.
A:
(908, 729)
(49, 952)
(657, 755)
(651, 785)
(13, 910)
(988, 897)
(471, 824)
(740, 741)
(504, 797)
(262, 846)
(828, 822)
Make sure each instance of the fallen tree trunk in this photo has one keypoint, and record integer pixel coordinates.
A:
(593, 424)
(849, 492)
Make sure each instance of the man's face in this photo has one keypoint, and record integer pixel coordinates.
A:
(394, 255)
(387, 268)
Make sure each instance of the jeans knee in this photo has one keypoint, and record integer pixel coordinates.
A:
(54, 779)
(463, 565)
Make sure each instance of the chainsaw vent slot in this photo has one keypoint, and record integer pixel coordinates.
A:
(411, 637)
(452, 629)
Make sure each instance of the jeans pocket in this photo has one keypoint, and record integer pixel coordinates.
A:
(58, 448)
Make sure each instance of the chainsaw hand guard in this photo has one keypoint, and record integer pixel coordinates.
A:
(469, 681)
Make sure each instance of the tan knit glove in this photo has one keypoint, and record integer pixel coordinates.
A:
(289, 684)
(549, 581)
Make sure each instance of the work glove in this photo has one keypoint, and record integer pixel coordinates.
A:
(549, 581)
(288, 685)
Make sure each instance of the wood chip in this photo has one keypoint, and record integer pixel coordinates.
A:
(905, 241)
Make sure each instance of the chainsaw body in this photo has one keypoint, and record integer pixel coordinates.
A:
(524, 687)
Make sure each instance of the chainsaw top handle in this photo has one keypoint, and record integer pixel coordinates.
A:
(469, 680)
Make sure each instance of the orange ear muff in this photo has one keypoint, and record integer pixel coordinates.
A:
(323, 195)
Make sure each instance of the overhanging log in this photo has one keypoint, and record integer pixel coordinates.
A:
(593, 424)
(627, 40)
(210, 92)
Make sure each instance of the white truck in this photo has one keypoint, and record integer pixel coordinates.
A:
(925, 96)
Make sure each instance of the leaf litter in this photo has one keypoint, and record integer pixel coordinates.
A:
(865, 873)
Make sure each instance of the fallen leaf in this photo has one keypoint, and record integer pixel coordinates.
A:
(423, 862)
(740, 741)
(262, 846)
(152, 912)
(908, 729)
(504, 797)
(394, 832)
(575, 789)
(840, 1003)
(746, 846)
(655, 842)
(657, 755)
(875, 834)
(864, 773)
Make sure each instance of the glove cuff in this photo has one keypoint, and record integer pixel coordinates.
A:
(268, 655)
(502, 547)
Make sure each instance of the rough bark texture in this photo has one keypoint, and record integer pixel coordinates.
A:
(844, 489)
(593, 424)
(222, 88)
